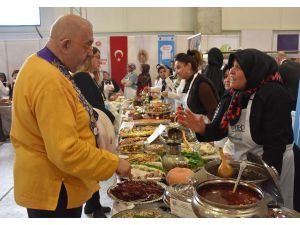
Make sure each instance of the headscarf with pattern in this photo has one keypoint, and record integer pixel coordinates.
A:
(259, 69)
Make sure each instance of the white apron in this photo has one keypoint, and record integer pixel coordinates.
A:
(129, 92)
(239, 134)
(185, 98)
(179, 101)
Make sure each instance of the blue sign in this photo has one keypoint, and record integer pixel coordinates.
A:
(166, 49)
(296, 123)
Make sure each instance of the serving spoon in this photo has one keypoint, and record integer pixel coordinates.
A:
(242, 167)
(186, 141)
(225, 170)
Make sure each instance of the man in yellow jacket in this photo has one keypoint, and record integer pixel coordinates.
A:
(57, 166)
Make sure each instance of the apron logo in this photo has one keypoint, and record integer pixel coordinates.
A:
(238, 128)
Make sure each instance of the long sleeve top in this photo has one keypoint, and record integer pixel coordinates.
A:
(92, 92)
(4, 91)
(131, 80)
(202, 97)
(53, 141)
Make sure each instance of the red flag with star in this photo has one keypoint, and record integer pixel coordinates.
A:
(118, 57)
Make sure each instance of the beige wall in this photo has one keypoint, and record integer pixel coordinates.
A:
(142, 19)
(261, 18)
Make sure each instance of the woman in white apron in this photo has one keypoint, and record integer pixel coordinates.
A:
(130, 81)
(176, 93)
(257, 118)
(179, 92)
(201, 96)
(160, 83)
(225, 143)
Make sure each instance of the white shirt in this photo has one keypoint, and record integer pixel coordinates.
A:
(4, 91)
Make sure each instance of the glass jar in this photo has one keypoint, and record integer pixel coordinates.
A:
(173, 158)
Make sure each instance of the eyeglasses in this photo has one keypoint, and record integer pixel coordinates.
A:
(86, 45)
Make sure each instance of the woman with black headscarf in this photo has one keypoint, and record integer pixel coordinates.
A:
(213, 70)
(256, 117)
(144, 79)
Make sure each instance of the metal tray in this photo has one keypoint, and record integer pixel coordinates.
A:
(138, 213)
(283, 212)
(112, 196)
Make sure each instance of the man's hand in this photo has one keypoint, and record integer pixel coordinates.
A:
(124, 168)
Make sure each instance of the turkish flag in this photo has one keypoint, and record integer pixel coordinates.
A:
(118, 57)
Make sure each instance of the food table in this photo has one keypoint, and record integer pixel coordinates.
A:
(144, 140)
(137, 123)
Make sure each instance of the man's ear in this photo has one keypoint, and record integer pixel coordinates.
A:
(65, 44)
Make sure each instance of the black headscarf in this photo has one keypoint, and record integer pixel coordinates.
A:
(144, 77)
(259, 69)
(256, 65)
(213, 70)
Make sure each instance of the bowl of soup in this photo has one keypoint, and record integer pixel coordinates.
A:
(215, 198)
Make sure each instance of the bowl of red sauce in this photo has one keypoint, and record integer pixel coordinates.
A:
(215, 198)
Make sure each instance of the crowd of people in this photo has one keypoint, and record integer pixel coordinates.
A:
(244, 105)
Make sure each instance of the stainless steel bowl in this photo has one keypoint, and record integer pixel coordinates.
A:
(182, 192)
(253, 170)
(202, 207)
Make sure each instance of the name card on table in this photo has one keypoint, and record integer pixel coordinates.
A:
(126, 125)
(156, 133)
(182, 209)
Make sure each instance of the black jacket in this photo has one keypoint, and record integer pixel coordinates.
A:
(91, 92)
(290, 73)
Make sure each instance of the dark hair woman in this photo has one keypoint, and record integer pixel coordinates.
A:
(201, 96)
(213, 70)
(91, 91)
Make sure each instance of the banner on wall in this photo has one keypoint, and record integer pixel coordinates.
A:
(194, 42)
(288, 42)
(118, 57)
(166, 49)
(297, 121)
(102, 45)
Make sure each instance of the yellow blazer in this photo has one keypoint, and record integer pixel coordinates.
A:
(53, 141)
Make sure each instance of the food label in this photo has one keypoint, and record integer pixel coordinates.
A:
(156, 133)
(182, 209)
(128, 125)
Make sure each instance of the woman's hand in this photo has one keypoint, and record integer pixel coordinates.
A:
(190, 120)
